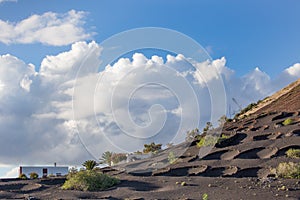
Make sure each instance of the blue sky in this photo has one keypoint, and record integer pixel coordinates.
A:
(249, 33)
(40, 114)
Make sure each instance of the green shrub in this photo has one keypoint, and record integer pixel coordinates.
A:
(23, 176)
(154, 148)
(207, 140)
(293, 153)
(248, 108)
(243, 111)
(33, 175)
(205, 196)
(106, 158)
(112, 158)
(223, 137)
(118, 157)
(89, 180)
(138, 152)
(288, 121)
(191, 135)
(223, 119)
(172, 158)
(207, 127)
(288, 170)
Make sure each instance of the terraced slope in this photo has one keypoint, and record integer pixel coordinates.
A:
(255, 145)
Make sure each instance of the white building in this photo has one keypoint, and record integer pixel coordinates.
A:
(44, 171)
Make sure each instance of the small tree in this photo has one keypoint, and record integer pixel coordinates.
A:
(191, 135)
(223, 119)
(207, 127)
(90, 164)
(106, 158)
(118, 157)
(172, 158)
(152, 148)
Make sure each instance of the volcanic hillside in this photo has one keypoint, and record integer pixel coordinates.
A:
(252, 147)
(287, 99)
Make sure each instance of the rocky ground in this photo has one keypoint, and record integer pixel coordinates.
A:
(160, 187)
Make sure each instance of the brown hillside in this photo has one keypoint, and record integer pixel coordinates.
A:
(289, 101)
(286, 99)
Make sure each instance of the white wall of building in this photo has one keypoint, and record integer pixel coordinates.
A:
(39, 170)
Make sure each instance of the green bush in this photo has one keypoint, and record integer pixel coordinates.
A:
(33, 175)
(288, 170)
(205, 196)
(172, 158)
(288, 121)
(106, 158)
(191, 135)
(112, 158)
(154, 148)
(223, 119)
(207, 127)
(208, 140)
(249, 107)
(138, 152)
(223, 137)
(23, 176)
(89, 180)
(118, 157)
(293, 153)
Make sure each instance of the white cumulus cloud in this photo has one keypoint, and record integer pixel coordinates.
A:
(13, 173)
(49, 28)
(293, 70)
(13, 74)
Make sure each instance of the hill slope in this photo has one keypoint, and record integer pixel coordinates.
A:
(287, 99)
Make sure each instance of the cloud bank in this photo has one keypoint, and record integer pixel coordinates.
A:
(49, 28)
(134, 101)
(3, 1)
